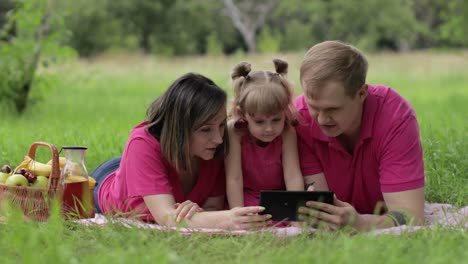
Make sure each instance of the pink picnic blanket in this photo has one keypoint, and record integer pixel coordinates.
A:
(435, 215)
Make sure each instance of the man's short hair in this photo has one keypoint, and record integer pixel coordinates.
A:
(334, 61)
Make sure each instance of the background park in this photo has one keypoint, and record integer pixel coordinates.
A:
(83, 73)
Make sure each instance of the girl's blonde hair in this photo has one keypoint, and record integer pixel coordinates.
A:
(262, 92)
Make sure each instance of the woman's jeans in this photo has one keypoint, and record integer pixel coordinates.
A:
(100, 173)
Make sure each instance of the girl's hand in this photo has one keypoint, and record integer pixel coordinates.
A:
(248, 218)
(186, 210)
(333, 216)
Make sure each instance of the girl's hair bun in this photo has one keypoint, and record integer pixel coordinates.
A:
(281, 66)
(241, 70)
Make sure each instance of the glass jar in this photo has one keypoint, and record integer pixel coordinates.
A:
(77, 195)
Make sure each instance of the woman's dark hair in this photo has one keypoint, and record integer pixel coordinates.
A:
(189, 102)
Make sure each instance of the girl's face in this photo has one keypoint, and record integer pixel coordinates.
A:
(205, 140)
(265, 127)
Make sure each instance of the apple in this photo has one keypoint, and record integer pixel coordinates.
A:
(6, 169)
(41, 182)
(17, 180)
(3, 177)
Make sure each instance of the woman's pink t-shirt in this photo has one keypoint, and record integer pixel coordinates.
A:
(387, 158)
(143, 171)
(262, 168)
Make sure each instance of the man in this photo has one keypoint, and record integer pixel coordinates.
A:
(360, 141)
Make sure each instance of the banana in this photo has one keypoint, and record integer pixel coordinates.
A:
(61, 162)
(23, 165)
(37, 168)
(75, 178)
(92, 182)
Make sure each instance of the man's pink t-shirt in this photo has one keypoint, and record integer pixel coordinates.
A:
(262, 168)
(388, 156)
(143, 171)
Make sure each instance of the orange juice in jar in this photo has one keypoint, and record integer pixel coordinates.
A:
(77, 197)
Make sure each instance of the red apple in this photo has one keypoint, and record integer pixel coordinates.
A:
(30, 176)
(6, 169)
(21, 171)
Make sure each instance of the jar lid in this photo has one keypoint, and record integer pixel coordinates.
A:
(74, 147)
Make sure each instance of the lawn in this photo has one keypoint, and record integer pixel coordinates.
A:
(95, 103)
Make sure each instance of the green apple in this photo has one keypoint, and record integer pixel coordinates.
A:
(41, 182)
(3, 177)
(17, 180)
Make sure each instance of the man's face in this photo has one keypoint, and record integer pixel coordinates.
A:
(336, 113)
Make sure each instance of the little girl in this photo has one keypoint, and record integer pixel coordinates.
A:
(263, 145)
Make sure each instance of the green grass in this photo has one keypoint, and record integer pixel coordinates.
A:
(96, 103)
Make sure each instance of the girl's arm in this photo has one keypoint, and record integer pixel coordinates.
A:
(318, 180)
(214, 203)
(233, 165)
(291, 169)
(161, 207)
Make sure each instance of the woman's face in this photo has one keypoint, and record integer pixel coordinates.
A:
(205, 140)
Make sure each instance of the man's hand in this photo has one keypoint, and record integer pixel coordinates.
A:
(334, 217)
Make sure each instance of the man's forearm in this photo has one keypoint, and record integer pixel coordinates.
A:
(368, 222)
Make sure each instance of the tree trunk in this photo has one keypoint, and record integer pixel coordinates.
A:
(145, 44)
(250, 19)
(31, 65)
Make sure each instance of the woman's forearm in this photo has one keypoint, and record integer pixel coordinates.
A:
(213, 219)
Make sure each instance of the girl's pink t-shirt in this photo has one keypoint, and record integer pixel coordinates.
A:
(143, 171)
(387, 158)
(262, 168)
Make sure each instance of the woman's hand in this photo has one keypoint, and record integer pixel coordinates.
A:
(333, 216)
(248, 218)
(186, 210)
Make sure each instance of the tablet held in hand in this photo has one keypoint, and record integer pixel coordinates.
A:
(283, 205)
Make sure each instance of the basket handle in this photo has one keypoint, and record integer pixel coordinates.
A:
(54, 177)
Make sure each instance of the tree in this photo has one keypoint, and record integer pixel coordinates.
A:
(20, 56)
(93, 29)
(7, 27)
(249, 17)
(145, 17)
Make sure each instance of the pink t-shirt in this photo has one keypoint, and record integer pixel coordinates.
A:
(387, 158)
(143, 171)
(262, 168)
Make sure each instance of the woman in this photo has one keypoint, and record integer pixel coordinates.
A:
(172, 166)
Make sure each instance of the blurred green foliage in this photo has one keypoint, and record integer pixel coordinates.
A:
(184, 27)
(187, 27)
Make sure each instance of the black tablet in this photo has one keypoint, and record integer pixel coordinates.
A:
(283, 205)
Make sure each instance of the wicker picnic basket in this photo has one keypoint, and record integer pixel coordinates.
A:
(35, 202)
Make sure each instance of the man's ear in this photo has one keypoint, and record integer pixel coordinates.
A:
(362, 93)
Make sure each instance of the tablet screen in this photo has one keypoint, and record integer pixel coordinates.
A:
(283, 205)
